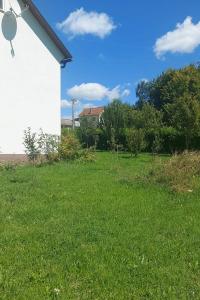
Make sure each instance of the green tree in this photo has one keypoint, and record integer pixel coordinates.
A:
(185, 117)
(115, 119)
(135, 140)
(151, 118)
(143, 91)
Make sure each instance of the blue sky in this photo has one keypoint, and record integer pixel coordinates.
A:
(118, 50)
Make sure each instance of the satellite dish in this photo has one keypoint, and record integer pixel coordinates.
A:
(9, 25)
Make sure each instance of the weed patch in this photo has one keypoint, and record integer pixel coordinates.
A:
(180, 173)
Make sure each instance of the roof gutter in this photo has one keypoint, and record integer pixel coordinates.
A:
(64, 62)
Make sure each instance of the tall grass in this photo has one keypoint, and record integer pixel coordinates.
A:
(180, 173)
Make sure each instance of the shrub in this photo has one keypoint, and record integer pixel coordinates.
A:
(69, 147)
(180, 173)
(41, 146)
(45, 148)
(156, 144)
(87, 155)
(31, 144)
(48, 146)
(7, 166)
(135, 140)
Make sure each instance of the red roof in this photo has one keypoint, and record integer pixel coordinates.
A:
(94, 111)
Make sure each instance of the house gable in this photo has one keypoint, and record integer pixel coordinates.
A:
(30, 79)
(47, 28)
(38, 24)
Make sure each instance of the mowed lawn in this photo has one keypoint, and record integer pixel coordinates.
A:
(94, 231)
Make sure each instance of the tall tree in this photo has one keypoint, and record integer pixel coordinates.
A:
(143, 90)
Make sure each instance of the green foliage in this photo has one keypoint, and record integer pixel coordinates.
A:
(180, 173)
(172, 140)
(168, 111)
(150, 117)
(185, 117)
(65, 131)
(88, 136)
(156, 144)
(135, 140)
(48, 146)
(31, 144)
(41, 145)
(87, 155)
(44, 148)
(143, 93)
(69, 147)
(89, 122)
(7, 166)
(115, 119)
(173, 85)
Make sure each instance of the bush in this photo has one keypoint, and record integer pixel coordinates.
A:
(41, 146)
(7, 166)
(180, 173)
(48, 146)
(45, 148)
(87, 155)
(69, 147)
(31, 144)
(135, 140)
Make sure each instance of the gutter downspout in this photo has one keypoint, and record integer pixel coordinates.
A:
(64, 62)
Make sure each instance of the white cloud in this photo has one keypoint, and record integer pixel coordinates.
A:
(81, 22)
(126, 93)
(88, 91)
(184, 39)
(96, 91)
(66, 104)
(114, 93)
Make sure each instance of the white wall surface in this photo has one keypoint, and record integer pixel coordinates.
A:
(29, 81)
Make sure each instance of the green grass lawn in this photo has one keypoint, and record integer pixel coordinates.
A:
(92, 231)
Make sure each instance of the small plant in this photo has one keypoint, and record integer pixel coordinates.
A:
(87, 155)
(31, 144)
(48, 145)
(7, 166)
(41, 147)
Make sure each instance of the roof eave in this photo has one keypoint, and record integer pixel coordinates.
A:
(67, 57)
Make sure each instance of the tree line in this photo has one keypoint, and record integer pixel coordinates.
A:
(165, 117)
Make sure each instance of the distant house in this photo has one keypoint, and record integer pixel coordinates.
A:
(30, 70)
(67, 123)
(91, 116)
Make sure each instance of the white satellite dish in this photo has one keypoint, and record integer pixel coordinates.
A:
(9, 22)
(9, 25)
(9, 14)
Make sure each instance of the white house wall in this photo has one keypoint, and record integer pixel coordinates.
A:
(29, 83)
